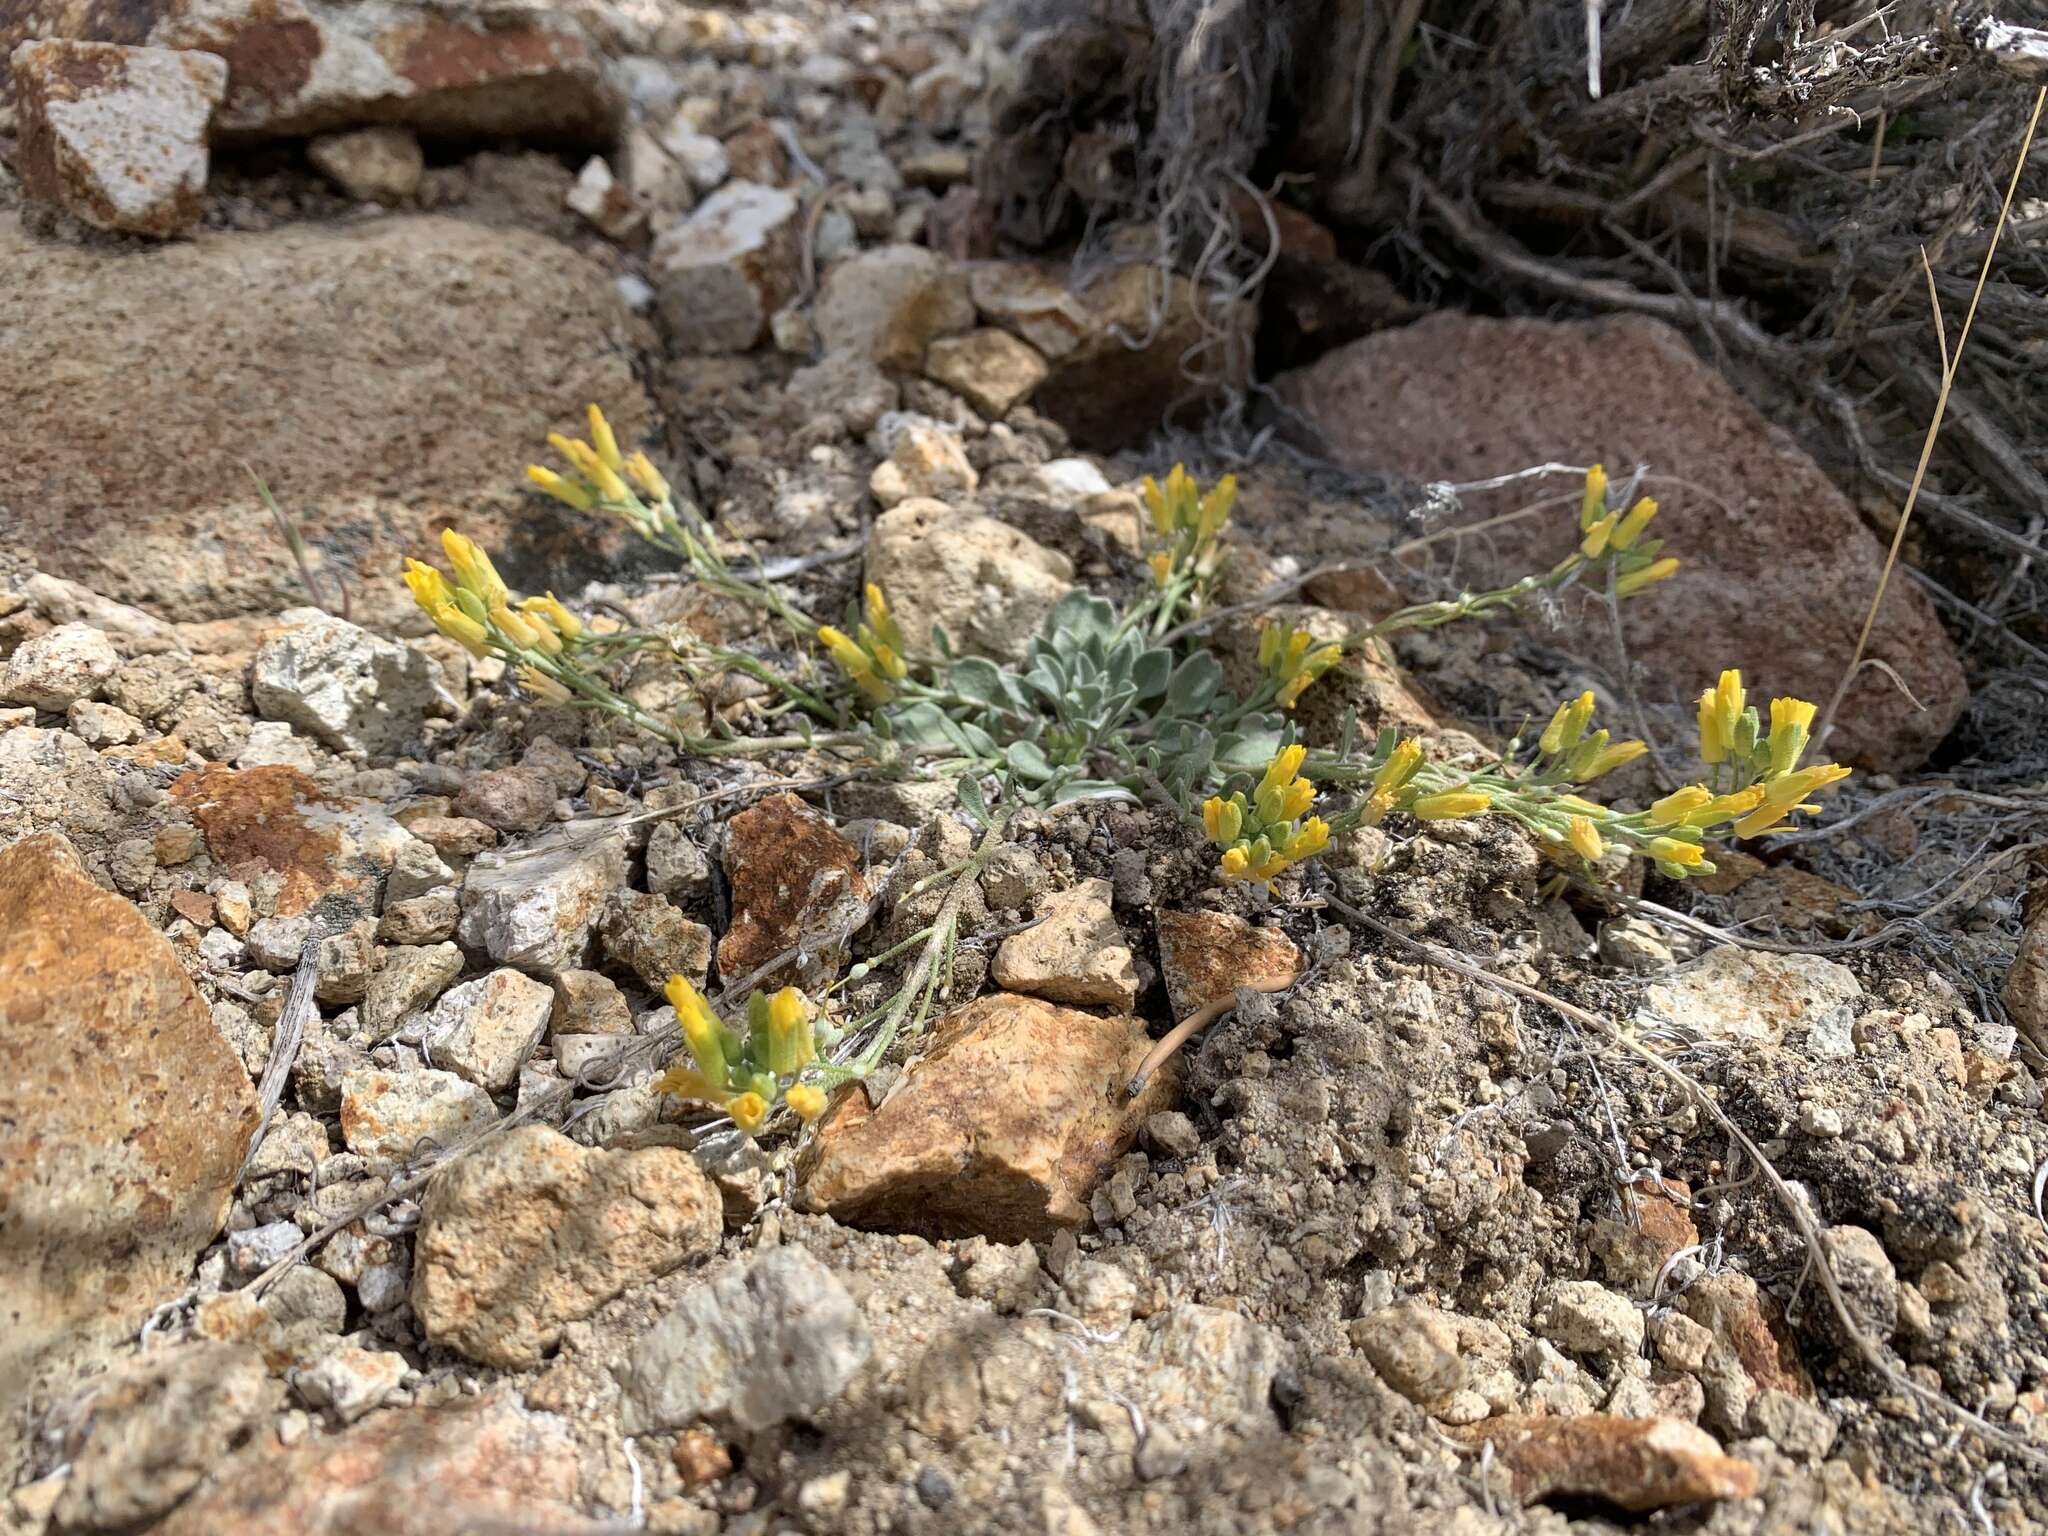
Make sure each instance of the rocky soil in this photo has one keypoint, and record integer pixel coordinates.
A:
(335, 1196)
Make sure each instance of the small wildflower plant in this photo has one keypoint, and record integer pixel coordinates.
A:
(1111, 699)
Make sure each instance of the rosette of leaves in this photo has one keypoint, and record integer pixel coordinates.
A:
(1091, 712)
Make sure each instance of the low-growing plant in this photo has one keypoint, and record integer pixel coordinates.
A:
(1112, 699)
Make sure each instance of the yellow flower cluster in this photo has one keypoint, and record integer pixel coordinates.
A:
(1618, 537)
(1187, 520)
(1733, 742)
(602, 472)
(1262, 837)
(1292, 660)
(480, 612)
(873, 655)
(1577, 756)
(745, 1078)
(1394, 788)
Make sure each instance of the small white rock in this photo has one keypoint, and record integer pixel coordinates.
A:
(57, 668)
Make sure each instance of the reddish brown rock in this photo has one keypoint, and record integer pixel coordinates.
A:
(1206, 956)
(1003, 1127)
(386, 412)
(116, 135)
(1634, 1464)
(790, 871)
(473, 69)
(124, 1117)
(476, 1464)
(1749, 1325)
(275, 823)
(1778, 568)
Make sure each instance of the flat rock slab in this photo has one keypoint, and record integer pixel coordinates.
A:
(1634, 1464)
(1778, 567)
(386, 378)
(117, 136)
(124, 1116)
(1002, 1128)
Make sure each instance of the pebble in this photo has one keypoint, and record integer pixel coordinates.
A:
(484, 1030)
(57, 668)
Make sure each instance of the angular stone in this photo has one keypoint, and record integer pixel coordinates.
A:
(424, 919)
(124, 1117)
(372, 165)
(515, 799)
(589, 1004)
(350, 1381)
(341, 684)
(768, 1341)
(2026, 981)
(889, 304)
(534, 1232)
(535, 906)
(484, 1030)
(1002, 1128)
(654, 941)
(721, 272)
(990, 369)
(791, 872)
(1076, 953)
(676, 866)
(59, 667)
(475, 69)
(1414, 1348)
(925, 462)
(1747, 1324)
(1206, 956)
(362, 331)
(605, 204)
(487, 1462)
(1588, 1318)
(1633, 1464)
(390, 1117)
(410, 978)
(116, 136)
(989, 586)
(1126, 352)
(1778, 567)
(1739, 994)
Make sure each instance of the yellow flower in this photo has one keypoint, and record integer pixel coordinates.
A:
(473, 568)
(882, 621)
(1593, 506)
(516, 628)
(1791, 722)
(1235, 864)
(607, 445)
(430, 588)
(1671, 850)
(1162, 567)
(1783, 795)
(807, 1099)
(1724, 807)
(1450, 804)
(1631, 527)
(683, 1082)
(564, 623)
(1656, 571)
(1312, 838)
(1720, 713)
(1585, 839)
(1568, 725)
(1284, 802)
(592, 467)
(565, 491)
(1285, 765)
(748, 1110)
(1222, 820)
(1679, 804)
(784, 1020)
(647, 477)
(702, 1032)
(1594, 544)
(1216, 507)
(543, 687)
(1607, 759)
(1399, 768)
(461, 628)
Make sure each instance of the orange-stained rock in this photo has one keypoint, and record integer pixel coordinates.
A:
(1003, 1127)
(124, 1117)
(533, 1232)
(790, 872)
(479, 1464)
(1207, 956)
(275, 821)
(1634, 1464)
(1746, 1321)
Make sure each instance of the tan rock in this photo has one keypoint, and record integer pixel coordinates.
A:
(1002, 1128)
(721, 272)
(479, 69)
(791, 874)
(475, 1464)
(651, 937)
(124, 1117)
(1735, 994)
(2026, 982)
(534, 1232)
(1634, 1464)
(394, 1117)
(988, 585)
(1076, 953)
(117, 135)
(1127, 351)
(363, 333)
(606, 203)
(484, 1030)
(1414, 1348)
(991, 369)
(925, 462)
(372, 165)
(890, 303)
(1778, 566)
(1206, 956)
(1747, 1323)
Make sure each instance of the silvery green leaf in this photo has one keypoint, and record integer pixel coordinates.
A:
(1093, 789)
(924, 725)
(977, 679)
(969, 790)
(941, 643)
(1194, 684)
(1028, 761)
(1152, 671)
(1247, 752)
(1081, 616)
